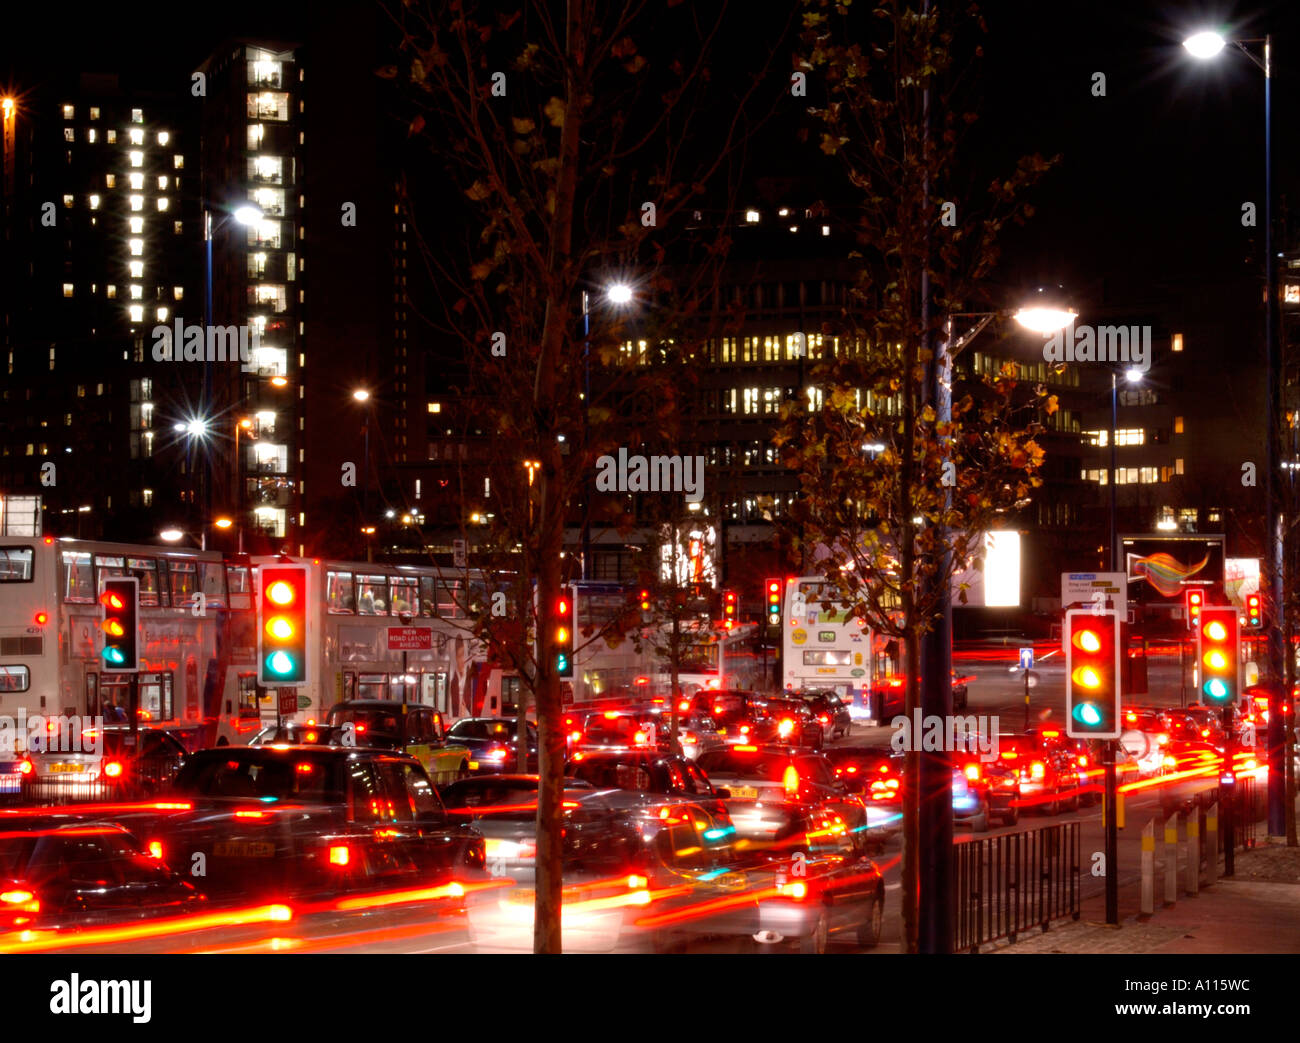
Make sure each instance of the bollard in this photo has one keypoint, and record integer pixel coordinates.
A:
(1193, 854)
(1212, 841)
(1119, 811)
(1171, 860)
(1149, 868)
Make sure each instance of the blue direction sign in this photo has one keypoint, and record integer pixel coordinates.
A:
(1026, 659)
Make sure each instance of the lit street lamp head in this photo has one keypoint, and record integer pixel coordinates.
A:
(1133, 375)
(1204, 44)
(619, 293)
(248, 214)
(1045, 319)
(361, 395)
(170, 535)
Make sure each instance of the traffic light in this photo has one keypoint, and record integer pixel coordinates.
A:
(282, 657)
(1217, 639)
(1194, 600)
(1092, 677)
(645, 601)
(729, 608)
(773, 602)
(1254, 617)
(120, 604)
(564, 633)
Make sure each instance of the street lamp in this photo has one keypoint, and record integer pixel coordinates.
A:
(1204, 45)
(362, 397)
(1133, 376)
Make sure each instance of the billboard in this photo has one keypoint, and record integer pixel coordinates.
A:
(1160, 567)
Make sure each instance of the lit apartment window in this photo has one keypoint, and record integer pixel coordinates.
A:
(69, 112)
(176, 227)
(162, 203)
(110, 136)
(435, 407)
(163, 138)
(137, 181)
(1178, 466)
(67, 289)
(1178, 342)
(178, 292)
(162, 314)
(110, 291)
(94, 202)
(137, 202)
(137, 115)
(94, 112)
(136, 135)
(146, 497)
(255, 134)
(1131, 436)
(137, 225)
(1178, 425)
(826, 229)
(110, 181)
(752, 217)
(137, 313)
(1291, 294)
(1212, 517)
(136, 157)
(137, 291)
(91, 135)
(178, 161)
(1188, 517)
(136, 246)
(67, 200)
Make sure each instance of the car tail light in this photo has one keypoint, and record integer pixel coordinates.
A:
(973, 772)
(610, 715)
(1051, 735)
(684, 706)
(575, 736)
(790, 780)
(1083, 761)
(18, 901)
(308, 736)
(1130, 717)
(717, 711)
(340, 855)
(497, 753)
(1170, 762)
(304, 767)
(360, 728)
(690, 739)
(796, 890)
(639, 739)
(1038, 769)
(1162, 739)
(113, 769)
(852, 769)
(636, 881)
(824, 719)
(785, 727)
(744, 729)
(1010, 755)
(745, 749)
(1205, 732)
(26, 767)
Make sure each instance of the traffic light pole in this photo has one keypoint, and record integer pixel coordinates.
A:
(1112, 836)
(1228, 796)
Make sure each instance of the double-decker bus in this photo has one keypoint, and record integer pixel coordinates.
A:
(195, 677)
(716, 657)
(823, 646)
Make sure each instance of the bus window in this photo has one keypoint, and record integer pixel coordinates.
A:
(92, 695)
(372, 686)
(146, 571)
(248, 696)
(428, 598)
(237, 579)
(108, 567)
(450, 599)
(16, 564)
(182, 576)
(156, 697)
(338, 593)
(372, 594)
(15, 679)
(403, 594)
(213, 581)
(78, 578)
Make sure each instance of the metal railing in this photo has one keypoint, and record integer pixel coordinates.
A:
(1010, 883)
(147, 777)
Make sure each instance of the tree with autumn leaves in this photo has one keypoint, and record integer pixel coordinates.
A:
(895, 497)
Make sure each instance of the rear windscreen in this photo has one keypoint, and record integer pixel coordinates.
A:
(315, 780)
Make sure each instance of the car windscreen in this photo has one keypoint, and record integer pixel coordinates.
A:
(280, 774)
(762, 766)
(473, 794)
(614, 731)
(15, 850)
(608, 773)
(370, 724)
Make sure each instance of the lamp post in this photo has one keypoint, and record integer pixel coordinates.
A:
(362, 396)
(1133, 376)
(1205, 45)
(935, 826)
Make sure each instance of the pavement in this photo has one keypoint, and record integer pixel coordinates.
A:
(1256, 911)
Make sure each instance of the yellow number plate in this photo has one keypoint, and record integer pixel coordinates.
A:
(244, 849)
(746, 792)
(58, 769)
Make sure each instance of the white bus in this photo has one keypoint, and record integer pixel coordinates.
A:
(825, 647)
(194, 678)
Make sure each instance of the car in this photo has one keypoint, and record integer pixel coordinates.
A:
(815, 884)
(783, 773)
(409, 727)
(493, 743)
(797, 724)
(639, 870)
(622, 729)
(14, 769)
(270, 822)
(464, 798)
(645, 771)
(987, 790)
(1049, 777)
(295, 733)
(830, 710)
(58, 873)
(739, 716)
(1087, 757)
(887, 696)
(112, 761)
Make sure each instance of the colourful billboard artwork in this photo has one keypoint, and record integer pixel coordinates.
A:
(1165, 573)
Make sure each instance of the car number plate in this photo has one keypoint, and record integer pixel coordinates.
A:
(59, 769)
(745, 792)
(244, 849)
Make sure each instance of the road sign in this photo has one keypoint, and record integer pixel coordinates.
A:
(1026, 659)
(410, 639)
(289, 701)
(1079, 590)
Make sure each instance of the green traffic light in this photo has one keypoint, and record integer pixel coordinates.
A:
(280, 663)
(114, 655)
(1087, 714)
(1216, 689)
